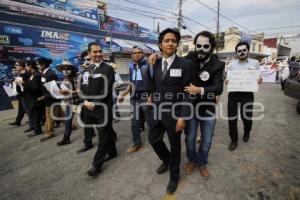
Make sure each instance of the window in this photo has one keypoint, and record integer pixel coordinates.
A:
(253, 46)
(259, 48)
(185, 48)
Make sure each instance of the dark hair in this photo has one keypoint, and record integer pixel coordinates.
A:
(137, 47)
(92, 44)
(32, 64)
(83, 54)
(208, 35)
(169, 30)
(293, 58)
(21, 62)
(242, 44)
(44, 61)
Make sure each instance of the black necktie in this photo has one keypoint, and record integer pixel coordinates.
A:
(165, 69)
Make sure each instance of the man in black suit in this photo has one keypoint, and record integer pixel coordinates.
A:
(170, 75)
(33, 89)
(47, 75)
(97, 107)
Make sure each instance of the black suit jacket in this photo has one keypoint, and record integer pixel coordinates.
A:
(49, 76)
(170, 90)
(99, 90)
(211, 78)
(33, 90)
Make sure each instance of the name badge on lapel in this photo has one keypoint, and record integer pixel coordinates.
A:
(252, 68)
(175, 72)
(85, 78)
(97, 75)
(43, 80)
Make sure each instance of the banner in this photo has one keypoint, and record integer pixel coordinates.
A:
(268, 76)
(242, 80)
(119, 26)
(78, 12)
(147, 34)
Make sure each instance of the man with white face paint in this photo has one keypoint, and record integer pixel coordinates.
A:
(245, 99)
(206, 85)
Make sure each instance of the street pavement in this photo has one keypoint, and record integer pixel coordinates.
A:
(265, 168)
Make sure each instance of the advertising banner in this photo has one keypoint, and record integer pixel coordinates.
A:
(78, 12)
(119, 26)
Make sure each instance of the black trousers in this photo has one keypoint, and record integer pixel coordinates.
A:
(37, 117)
(106, 144)
(244, 101)
(282, 83)
(21, 110)
(156, 135)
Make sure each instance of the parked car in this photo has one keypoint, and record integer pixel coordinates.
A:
(292, 88)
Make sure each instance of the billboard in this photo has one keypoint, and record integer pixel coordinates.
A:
(78, 12)
(119, 26)
(24, 42)
(148, 34)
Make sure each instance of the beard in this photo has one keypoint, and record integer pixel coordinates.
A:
(243, 56)
(201, 55)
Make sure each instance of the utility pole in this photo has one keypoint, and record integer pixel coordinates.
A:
(179, 25)
(153, 23)
(218, 26)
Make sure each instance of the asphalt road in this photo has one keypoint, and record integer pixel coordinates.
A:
(265, 168)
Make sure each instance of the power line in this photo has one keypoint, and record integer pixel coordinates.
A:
(212, 9)
(135, 9)
(273, 28)
(145, 5)
(140, 14)
(196, 22)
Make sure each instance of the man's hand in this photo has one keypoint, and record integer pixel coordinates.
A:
(89, 105)
(121, 98)
(226, 81)
(41, 98)
(149, 100)
(180, 125)
(64, 92)
(259, 80)
(193, 89)
(153, 58)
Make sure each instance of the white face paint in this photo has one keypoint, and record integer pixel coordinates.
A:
(203, 47)
(242, 52)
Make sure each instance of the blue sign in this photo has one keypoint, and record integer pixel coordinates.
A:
(79, 12)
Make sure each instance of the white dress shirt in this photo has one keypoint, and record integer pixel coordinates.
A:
(170, 61)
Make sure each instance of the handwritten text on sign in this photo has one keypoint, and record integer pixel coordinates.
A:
(243, 80)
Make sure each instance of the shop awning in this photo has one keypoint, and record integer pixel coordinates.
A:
(127, 45)
(154, 47)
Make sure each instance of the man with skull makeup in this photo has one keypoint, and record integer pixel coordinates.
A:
(245, 99)
(207, 84)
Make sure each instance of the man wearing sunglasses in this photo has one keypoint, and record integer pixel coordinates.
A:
(138, 72)
(245, 99)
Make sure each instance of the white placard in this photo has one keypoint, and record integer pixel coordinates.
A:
(10, 90)
(242, 80)
(54, 90)
(268, 76)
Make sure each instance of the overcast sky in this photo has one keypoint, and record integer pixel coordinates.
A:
(250, 14)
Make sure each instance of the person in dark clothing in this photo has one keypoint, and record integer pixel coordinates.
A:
(33, 89)
(207, 84)
(22, 105)
(205, 87)
(97, 107)
(47, 75)
(170, 75)
(85, 73)
(68, 89)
